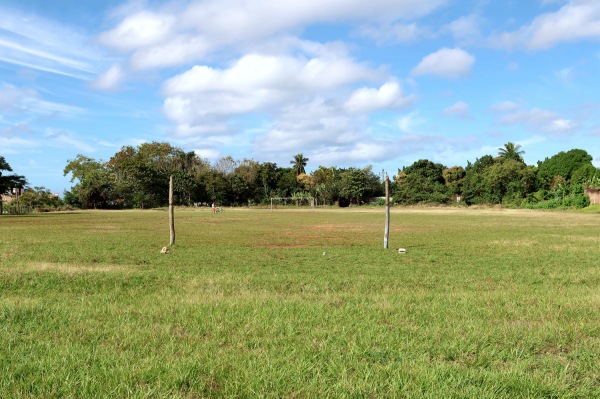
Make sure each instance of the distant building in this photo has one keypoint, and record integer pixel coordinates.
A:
(594, 195)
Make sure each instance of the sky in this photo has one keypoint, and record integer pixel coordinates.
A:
(344, 82)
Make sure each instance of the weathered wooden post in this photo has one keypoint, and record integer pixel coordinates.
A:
(18, 202)
(171, 212)
(386, 234)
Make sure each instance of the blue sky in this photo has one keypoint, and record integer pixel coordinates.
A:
(346, 83)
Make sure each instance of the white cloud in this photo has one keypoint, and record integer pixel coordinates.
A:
(178, 51)
(208, 153)
(566, 74)
(459, 109)
(317, 123)
(446, 63)
(537, 118)
(560, 126)
(274, 73)
(388, 96)
(62, 138)
(14, 99)
(27, 101)
(49, 108)
(408, 123)
(175, 34)
(398, 32)
(213, 127)
(551, 2)
(576, 20)
(505, 106)
(261, 18)
(361, 152)
(15, 145)
(141, 29)
(15, 129)
(326, 133)
(255, 82)
(44, 45)
(537, 139)
(465, 29)
(513, 66)
(306, 94)
(110, 79)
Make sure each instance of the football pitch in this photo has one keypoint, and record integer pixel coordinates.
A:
(300, 303)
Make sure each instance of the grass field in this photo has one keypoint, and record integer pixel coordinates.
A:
(300, 304)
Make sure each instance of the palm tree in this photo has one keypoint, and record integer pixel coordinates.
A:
(299, 163)
(511, 151)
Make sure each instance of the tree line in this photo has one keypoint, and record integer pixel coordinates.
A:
(138, 177)
(558, 181)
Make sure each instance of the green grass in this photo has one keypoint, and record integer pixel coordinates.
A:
(300, 303)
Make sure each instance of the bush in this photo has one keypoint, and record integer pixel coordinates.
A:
(581, 201)
(343, 202)
(551, 204)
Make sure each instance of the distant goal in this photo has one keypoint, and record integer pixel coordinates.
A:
(292, 201)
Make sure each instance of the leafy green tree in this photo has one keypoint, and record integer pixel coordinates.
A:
(138, 183)
(422, 182)
(287, 184)
(562, 194)
(216, 184)
(299, 163)
(200, 171)
(357, 186)
(474, 183)
(184, 187)
(188, 162)
(245, 183)
(8, 181)
(306, 182)
(162, 156)
(267, 178)
(431, 171)
(508, 182)
(95, 188)
(495, 181)
(453, 179)
(585, 174)
(71, 198)
(594, 182)
(142, 174)
(562, 164)
(511, 151)
(327, 183)
(225, 165)
(40, 198)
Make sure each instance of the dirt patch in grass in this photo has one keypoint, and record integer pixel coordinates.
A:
(515, 243)
(70, 268)
(284, 246)
(19, 301)
(340, 227)
(104, 229)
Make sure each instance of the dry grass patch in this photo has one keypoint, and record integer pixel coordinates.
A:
(70, 268)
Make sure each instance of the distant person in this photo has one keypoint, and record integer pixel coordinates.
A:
(213, 207)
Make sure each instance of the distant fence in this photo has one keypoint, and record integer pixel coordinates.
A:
(594, 195)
